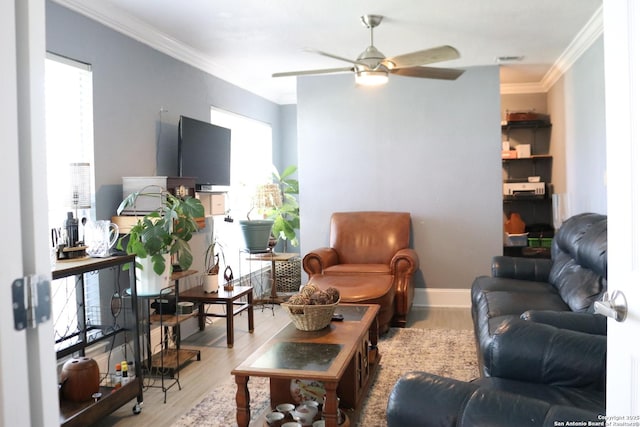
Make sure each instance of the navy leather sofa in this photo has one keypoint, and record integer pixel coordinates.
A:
(541, 348)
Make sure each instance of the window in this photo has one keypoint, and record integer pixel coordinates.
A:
(251, 166)
(69, 135)
(69, 139)
(251, 158)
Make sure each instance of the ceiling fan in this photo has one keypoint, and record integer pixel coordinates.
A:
(373, 68)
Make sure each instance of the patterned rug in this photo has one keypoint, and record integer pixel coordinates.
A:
(450, 353)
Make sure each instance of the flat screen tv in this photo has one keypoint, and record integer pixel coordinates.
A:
(204, 153)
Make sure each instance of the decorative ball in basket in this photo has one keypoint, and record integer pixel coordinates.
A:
(313, 308)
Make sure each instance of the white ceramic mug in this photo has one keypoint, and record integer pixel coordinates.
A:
(99, 237)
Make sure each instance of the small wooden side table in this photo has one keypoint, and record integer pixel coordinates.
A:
(230, 299)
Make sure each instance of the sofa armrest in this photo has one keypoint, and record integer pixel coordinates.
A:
(317, 260)
(581, 322)
(423, 399)
(535, 269)
(539, 353)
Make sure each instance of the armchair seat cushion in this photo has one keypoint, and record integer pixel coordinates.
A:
(363, 289)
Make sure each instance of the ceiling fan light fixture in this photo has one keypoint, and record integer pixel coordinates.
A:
(372, 77)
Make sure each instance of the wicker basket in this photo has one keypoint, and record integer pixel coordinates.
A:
(288, 275)
(310, 317)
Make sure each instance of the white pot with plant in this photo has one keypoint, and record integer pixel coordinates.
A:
(158, 236)
(213, 277)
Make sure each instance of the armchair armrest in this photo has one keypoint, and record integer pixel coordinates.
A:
(589, 323)
(403, 264)
(423, 399)
(535, 269)
(405, 261)
(319, 259)
(539, 353)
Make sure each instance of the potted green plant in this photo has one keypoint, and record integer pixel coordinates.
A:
(159, 235)
(256, 228)
(286, 216)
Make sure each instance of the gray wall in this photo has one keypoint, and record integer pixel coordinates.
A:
(428, 147)
(288, 153)
(131, 82)
(424, 146)
(576, 105)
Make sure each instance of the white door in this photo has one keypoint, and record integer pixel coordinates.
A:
(622, 88)
(28, 391)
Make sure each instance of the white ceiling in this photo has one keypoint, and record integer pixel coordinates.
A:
(245, 41)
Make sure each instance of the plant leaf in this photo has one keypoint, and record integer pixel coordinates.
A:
(158, 264)
(289, 170)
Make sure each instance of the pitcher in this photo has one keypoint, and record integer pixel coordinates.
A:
(99, 237)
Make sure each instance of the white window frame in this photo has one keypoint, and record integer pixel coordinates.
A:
(69, 139)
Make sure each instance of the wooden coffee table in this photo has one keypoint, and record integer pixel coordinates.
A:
(343, 356)
(231, 301)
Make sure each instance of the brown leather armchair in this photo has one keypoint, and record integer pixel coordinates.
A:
(369, 261)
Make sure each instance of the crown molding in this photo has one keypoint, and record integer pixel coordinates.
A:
(521, 88)
(581, 42)
(140, 31)
(592, 30)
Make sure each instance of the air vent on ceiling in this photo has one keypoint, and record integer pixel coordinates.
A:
(506, 59)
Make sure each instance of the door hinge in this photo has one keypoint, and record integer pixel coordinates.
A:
(31, 297)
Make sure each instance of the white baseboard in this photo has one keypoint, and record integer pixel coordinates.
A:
(429, 297)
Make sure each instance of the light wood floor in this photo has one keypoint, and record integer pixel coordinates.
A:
(217, 361)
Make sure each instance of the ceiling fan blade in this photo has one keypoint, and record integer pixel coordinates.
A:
(311, 72)
(429, 72)
(423, 57)
(339, 58)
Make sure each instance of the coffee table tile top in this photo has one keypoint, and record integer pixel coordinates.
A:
(299, 355)
(351, 313)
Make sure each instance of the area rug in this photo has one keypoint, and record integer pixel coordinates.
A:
(450, 353)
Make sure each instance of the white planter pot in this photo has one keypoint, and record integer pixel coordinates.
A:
(210, 283)
(148, 283)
